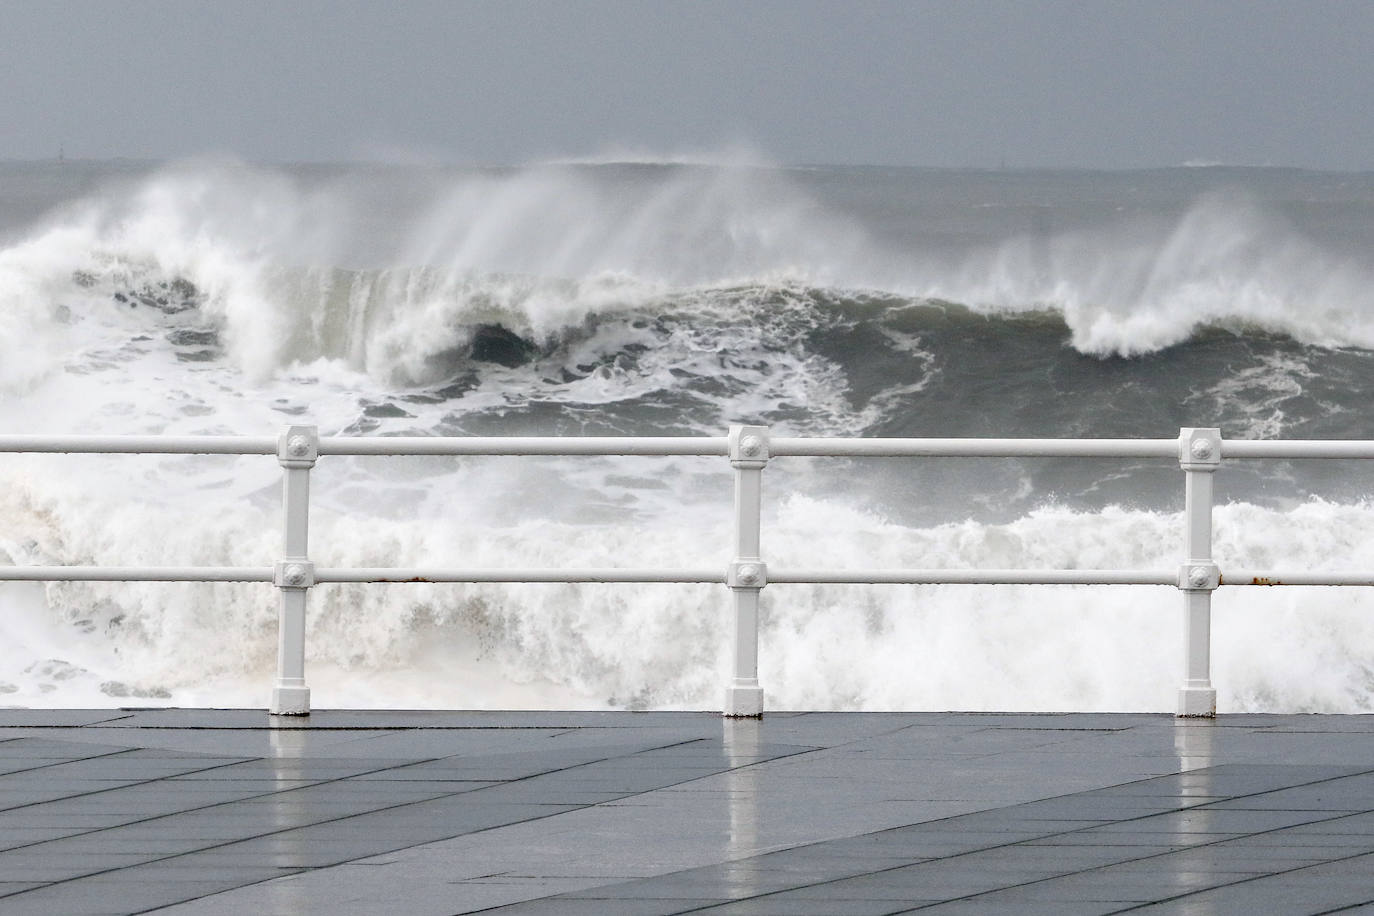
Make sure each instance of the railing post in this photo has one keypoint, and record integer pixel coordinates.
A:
(1199, 455)
(747, 574)
(297, 450)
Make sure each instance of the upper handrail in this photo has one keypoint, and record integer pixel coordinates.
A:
(711, 446)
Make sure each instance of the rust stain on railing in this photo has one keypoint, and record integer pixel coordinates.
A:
(1254, 580)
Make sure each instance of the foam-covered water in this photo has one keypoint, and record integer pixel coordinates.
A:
(216, 297)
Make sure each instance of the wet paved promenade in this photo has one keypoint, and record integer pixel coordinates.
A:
(215, 812)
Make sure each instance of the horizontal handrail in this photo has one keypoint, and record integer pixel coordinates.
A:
(971, 577)
(1292, 577)
(136, 573)
(1296, 448)
(612, 574)
(788, 446)
(401, 575)
(141, 445)
(713, 446)
(328, 574)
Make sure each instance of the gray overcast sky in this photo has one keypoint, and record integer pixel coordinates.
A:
(927, 82)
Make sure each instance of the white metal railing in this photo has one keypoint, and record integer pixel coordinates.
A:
(749, 449)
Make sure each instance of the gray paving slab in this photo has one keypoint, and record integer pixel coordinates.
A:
(205, 812)
(60, 718)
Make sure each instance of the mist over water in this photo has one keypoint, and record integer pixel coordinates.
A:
(675, 299)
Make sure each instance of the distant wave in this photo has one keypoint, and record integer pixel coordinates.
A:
(739, 155)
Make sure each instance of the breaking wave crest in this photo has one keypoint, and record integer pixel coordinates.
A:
(1130, 289)
(288, 271)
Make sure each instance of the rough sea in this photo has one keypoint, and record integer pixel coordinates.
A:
(218, 297)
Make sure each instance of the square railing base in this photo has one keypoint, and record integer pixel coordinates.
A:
(290, 701)
(1197, 703)
(744, 702)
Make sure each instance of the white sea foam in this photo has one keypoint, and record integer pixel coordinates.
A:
(830, 647)
(1257, 397)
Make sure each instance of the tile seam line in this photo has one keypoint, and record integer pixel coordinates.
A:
(1054, 877)
(1095, 868)
(130, 785)
(35, 769)
(1162, 900)
(1252, 878)
(811, 748)
(879, 734)
(316, 823)
(1171, 852)
(124, 713)
(53, 727)
(1009, 845)
(1118, 785)
(195, 810)
(1346, 908)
